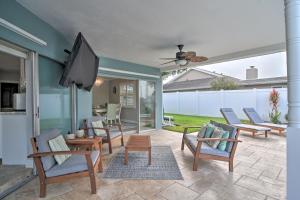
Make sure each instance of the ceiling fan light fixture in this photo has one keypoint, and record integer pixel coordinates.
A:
(181, 62)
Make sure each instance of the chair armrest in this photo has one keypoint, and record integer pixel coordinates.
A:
(216, 139)
(187, 127)
(106, 129)
(52, 153)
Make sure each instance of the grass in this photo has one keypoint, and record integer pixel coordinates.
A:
(182, 121)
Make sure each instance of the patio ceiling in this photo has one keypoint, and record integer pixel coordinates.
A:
(142, 31)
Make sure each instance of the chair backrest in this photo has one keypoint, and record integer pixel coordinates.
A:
(232, 133)
(41, 145)
(87, 124)
(113, 112)
(230, 116)
(253, 116)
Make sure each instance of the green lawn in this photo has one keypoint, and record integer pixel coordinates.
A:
(182, 121)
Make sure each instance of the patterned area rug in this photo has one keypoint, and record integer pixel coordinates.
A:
(163, 166)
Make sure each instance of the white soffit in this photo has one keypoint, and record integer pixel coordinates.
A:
(143, 31)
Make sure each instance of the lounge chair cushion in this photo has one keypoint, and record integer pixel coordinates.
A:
(282, 126)
(230, 116)
(201, 132)
(217, 133)
(43, 146)
(222, 145)
(252, 114)
(113, 133)
(89, 124)
(98, 132)
(205, 148)
(232, 133)
(76, 163)
(209, 130)
(59, 144)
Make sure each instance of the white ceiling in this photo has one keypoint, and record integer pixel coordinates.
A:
(142, 31)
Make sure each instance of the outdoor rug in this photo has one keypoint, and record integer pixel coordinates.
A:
(163, 166)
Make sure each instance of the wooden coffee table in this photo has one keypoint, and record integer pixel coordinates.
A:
(138, 143)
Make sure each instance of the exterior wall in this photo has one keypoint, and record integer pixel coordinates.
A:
(208, 103)
(192, 75)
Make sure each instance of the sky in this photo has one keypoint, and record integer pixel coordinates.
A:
(271, 65)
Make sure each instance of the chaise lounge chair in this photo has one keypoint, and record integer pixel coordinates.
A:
(233, 120)
(257, 120)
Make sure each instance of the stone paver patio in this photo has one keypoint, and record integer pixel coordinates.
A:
(259, 173)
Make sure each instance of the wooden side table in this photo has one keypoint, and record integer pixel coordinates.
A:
(95, 142)
(138, 143)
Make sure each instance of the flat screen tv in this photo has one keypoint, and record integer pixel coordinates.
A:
(81, 65)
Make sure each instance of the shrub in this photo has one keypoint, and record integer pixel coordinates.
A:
(274, 102)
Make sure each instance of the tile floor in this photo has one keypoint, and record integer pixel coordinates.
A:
(259, 173)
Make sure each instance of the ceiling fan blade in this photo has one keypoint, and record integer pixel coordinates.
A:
(189, 54)
(198, 59)
(168, 62)
(168, 58)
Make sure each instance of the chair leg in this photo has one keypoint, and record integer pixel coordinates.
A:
(110, 146)
(42, 189)
(122, 141)
(195, 163)
(253, 134)
(182, 144)
(266, 134)
(93, 183)
(100, 165)
(230, 165)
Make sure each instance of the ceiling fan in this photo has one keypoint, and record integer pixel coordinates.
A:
(184, 58)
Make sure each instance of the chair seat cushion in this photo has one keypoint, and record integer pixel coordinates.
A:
(113, 133)
(76, 163)
(43, 145)
(205, 148)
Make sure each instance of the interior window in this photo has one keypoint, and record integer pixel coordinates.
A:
(128, 94)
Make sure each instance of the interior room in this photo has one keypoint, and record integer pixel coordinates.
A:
(136, 97)
(13, 169)
(117, 91)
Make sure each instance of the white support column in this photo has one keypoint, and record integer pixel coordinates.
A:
(292, 20)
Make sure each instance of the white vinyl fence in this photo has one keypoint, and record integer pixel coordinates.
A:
(208, 103)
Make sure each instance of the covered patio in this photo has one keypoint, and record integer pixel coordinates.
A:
(129, 38)
(259, 174)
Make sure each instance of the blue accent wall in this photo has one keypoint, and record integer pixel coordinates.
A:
(53, 54)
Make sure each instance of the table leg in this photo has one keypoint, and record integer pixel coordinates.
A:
(149, 156)
(126, 156)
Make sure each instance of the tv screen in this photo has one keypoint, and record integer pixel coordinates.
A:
(81, 66)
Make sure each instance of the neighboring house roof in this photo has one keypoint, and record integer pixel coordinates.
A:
(180, 84)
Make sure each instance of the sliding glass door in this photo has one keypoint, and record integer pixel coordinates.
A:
(147, 104)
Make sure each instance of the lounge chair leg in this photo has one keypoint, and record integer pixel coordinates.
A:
(253, 134)
(195, 164)
(231, 165)
(182, 145)
(110, 147)
(266, 134)
(42, 189)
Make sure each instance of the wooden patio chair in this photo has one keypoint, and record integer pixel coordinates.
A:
(110, 132)
(257, 120)
(233, 120)
(201, 150)
(80, 164)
